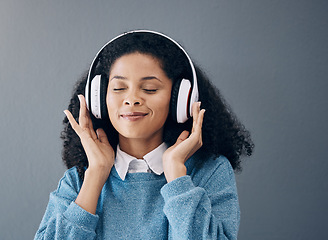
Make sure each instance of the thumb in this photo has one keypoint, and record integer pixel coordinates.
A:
(183, 136)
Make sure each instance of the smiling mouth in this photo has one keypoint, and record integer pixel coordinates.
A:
(133, 116)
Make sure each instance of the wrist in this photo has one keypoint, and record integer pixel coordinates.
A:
(96, 176)
(91, 189)
(174, 170)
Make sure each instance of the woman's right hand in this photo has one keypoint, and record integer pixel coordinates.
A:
(99, 152)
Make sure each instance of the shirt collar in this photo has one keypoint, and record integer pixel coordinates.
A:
(153, 159)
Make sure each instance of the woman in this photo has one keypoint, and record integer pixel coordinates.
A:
(146, 172)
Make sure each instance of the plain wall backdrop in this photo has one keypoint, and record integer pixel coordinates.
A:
(268, 58)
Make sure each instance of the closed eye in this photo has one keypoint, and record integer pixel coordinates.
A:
(150, 90)
(118, 89)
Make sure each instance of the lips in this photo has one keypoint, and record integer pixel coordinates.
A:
(133, 116)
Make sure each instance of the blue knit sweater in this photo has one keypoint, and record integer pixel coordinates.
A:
(200, 205)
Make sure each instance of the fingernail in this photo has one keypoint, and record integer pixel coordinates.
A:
(65, 112)
(79, 96)
(199, 103)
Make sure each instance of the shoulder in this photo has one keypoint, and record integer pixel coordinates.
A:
(70, 181)
(213, 162)
(217, 168)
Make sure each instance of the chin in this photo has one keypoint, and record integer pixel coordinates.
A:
(135, 134)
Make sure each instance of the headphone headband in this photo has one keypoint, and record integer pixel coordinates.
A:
(194, 93)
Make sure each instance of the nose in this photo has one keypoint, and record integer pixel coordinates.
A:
(133, 99)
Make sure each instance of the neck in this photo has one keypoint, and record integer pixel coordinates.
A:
(139, 147)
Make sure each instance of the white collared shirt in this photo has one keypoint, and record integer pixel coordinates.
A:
(151, 162)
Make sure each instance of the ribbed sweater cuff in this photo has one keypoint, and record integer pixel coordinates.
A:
(77, 215)
(177, 187)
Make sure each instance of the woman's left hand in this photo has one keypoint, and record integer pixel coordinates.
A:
(175, 157)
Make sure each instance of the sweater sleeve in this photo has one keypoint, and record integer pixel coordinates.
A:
(208, 211)
(64, 219)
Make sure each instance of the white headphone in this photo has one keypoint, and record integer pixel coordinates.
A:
(184, 92)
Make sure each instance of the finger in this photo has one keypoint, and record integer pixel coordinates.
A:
(87, 111)
(90, 124)
(73, 123)
(183, 136)
(84, 118)
(195, 113)
(201, 118)
(102, 136)
(199, 125)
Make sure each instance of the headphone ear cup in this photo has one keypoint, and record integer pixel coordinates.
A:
(174, 99)
(103, 95)
(180, 100)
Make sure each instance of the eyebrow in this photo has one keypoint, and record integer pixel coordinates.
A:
(142, 79)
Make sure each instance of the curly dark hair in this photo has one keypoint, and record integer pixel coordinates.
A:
(222, 132)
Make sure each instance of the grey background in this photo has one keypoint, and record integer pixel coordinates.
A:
(269, 58)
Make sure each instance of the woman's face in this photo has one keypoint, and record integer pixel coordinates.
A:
(138, 96)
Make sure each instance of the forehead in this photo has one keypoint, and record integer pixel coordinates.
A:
(136, 57)
(137, 64)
